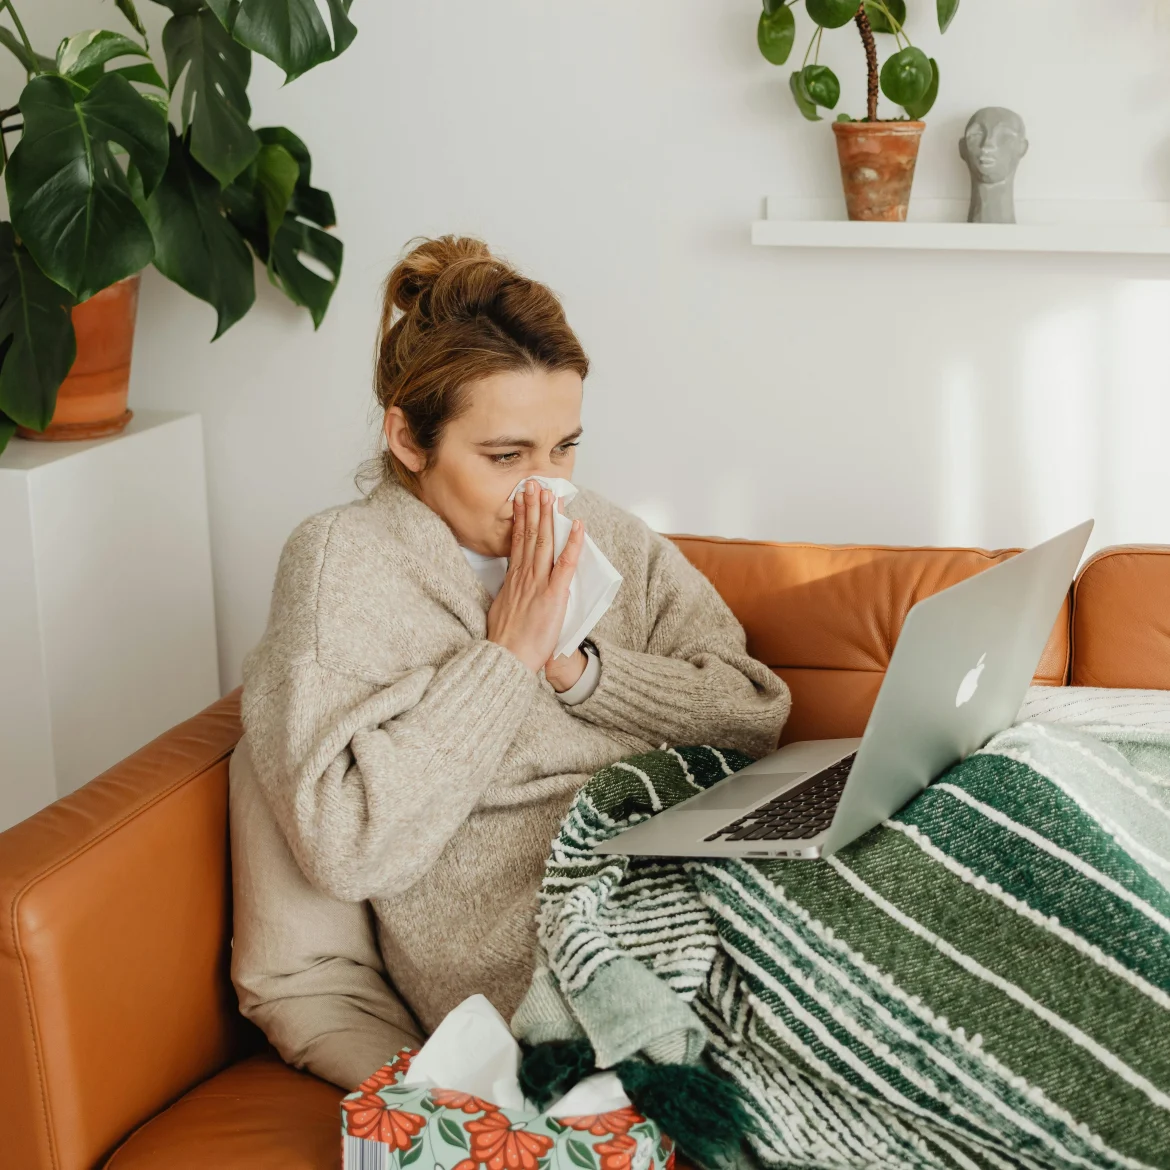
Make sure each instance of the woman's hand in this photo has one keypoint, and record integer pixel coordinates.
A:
(528, 612)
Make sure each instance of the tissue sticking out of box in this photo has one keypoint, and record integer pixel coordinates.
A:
(473, 1051)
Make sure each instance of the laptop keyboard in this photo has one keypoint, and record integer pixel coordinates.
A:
(799, 813)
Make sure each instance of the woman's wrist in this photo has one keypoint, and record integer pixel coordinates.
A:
(563, 673)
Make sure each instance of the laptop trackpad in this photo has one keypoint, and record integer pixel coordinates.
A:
(741, 793)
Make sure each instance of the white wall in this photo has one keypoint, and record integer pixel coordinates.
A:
(618, 149)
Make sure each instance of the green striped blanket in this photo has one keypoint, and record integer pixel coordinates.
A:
(983, 981)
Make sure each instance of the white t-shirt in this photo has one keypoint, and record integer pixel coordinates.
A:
(491, 571)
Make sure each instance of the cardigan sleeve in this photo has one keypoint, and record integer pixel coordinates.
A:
(693, 681)
(307, 968)
(368, 783)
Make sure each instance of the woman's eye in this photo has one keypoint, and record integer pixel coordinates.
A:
(564, 447)
(505, 459)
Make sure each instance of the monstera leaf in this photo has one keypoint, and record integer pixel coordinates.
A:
(214, 100)
(71, 203)
(289, 32)
(304, 260)
(305, 265)
(194, 244)
(37, 345)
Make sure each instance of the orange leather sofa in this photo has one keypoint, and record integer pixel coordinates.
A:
(120, 1041)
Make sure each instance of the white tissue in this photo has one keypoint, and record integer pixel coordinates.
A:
(473, 1051)
(595, 583)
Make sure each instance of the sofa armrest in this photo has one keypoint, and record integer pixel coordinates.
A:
(114, 948)
(1121, 618)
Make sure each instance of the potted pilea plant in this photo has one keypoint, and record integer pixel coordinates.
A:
(877, 155)
(116, 168)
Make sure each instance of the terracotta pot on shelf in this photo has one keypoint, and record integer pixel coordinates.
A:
(92, 400)
(877, 167)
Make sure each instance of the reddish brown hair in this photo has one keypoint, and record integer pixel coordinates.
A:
(453, 313)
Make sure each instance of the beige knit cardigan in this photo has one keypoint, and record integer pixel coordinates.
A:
(395, 760)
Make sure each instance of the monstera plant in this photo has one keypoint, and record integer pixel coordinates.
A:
(117, 167)
(877, 155)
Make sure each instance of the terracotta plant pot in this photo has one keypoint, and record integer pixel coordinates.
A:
(877, 167)
(92, 400)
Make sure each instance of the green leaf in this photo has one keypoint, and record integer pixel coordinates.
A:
(144, 74)
(214, 103)
(195, 246)
(127, 9)
(906, 76)
(71, 203)
(775, 34)
(946, 13)
(878, 21)
(919, 109)
(36, 338)
(90, 50)
(283, 136)
(276, 177)
(804, 103)
(451, 1133)
(832, 13)
(821, 85)
(303, 261)
(289, 32)
(296, 242)
(413, 1154)
(34, 63)
(580, 1154)
(308, 201)
(845, 118)
(771, 7)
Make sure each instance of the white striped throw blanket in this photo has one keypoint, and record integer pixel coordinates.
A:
(982, 981)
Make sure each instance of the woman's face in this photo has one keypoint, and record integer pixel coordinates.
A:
(518, 424)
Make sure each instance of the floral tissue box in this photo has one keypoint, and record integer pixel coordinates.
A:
(386, 1125)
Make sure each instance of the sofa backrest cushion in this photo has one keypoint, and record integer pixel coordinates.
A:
(1121, 619)
(826, 617)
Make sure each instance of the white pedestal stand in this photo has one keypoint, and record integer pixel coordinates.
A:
(107, 624)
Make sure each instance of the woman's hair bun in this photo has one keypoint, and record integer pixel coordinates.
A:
(445, 277)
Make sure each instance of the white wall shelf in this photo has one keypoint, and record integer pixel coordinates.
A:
(1121, 227)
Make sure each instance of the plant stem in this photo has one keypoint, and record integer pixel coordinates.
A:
(810, 47)
(871, 62)
(19, 27)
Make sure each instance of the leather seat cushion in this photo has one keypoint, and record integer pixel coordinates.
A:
(259, 1114)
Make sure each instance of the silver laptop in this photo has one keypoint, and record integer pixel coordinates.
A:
(957, 676)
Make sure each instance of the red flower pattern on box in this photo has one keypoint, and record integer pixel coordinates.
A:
(617, 1153)
(500, 1144)
(368, 1116)
(388, 1074)
(464, 1102)
(600, 1124)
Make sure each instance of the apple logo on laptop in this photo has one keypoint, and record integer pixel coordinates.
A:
(970, 683)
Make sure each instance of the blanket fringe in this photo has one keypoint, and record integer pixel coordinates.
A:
(704, 1114)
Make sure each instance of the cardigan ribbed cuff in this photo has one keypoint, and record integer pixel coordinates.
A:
(648, 695)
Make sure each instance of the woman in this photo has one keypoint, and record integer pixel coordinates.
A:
(405, 720)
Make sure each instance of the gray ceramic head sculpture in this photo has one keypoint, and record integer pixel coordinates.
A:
(992, 146)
